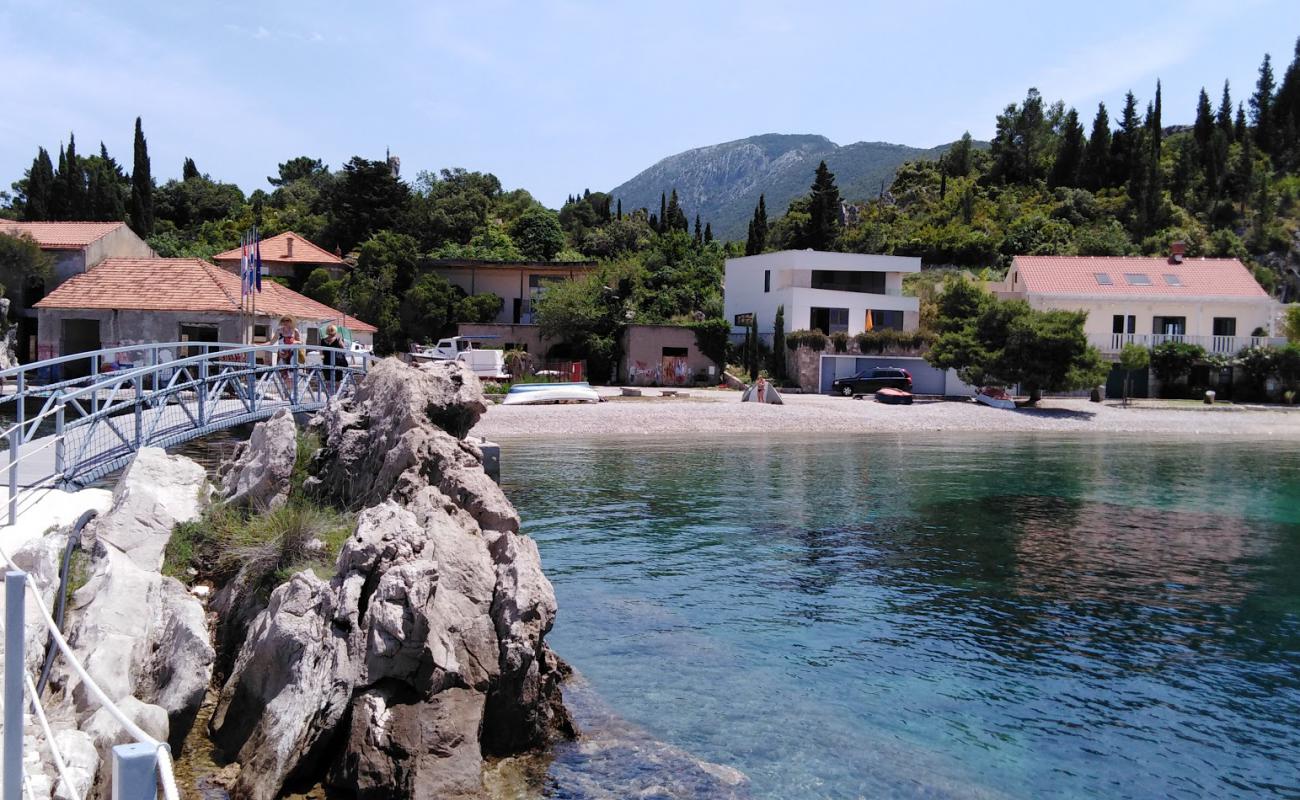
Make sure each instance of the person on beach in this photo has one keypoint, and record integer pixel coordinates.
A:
(334, 358)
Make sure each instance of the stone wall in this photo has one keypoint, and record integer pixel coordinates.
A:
(803, 365)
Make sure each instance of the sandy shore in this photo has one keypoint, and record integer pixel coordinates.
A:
(721, 412)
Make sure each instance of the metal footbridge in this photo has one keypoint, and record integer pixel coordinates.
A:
(71, 421)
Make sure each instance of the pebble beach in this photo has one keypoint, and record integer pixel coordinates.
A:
(712, 411)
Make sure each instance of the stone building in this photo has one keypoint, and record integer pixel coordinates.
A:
(287, 256)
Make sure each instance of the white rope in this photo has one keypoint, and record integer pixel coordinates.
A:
(59, 766)
(164, 763)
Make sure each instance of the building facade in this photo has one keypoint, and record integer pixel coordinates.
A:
(517, 283)
(830, 292)
(1214, 303)
(122, 302)
(287, 256)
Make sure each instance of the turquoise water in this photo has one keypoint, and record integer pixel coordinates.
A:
(926, 616)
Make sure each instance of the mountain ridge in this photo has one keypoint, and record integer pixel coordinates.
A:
(722, 182)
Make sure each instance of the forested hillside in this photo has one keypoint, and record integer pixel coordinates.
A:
(722, 182)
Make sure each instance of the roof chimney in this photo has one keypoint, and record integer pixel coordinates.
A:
(1176, 252)
(288, 242)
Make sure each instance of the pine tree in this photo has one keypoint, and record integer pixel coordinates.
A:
(1069, 156)
(1261, 107)
(40, 185)
(1180, 179)
(1286, 108)
(1123, 144)
(823, 211)
(676, 217)
(1145, 188)
(1203, 127)
(699, 231)
(189, 170)
(708, 233)
(1243, 173)
(141, 186)
(1239, 124)
(1224, 116)
(1096, 156)
(74, 183)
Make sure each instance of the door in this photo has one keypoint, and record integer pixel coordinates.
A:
(198, 333)
(79, 336)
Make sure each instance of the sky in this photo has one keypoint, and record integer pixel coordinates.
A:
(557, 96)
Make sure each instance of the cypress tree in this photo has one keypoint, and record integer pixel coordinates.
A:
(1224, 116)
(59, 188)
(189, 170)
(620, 208)
(778, 344)
(749, 240)
(1069, 156)
(699, 231)
(74, 183)
(760, 223)
(1203, 127)
(654, 223)
(708, 233)
(663, 213)
(40, 185)
(753, 350)
(676, 217)
(1261, 107)
(823, 211)
(141, 186)
(1096, 156)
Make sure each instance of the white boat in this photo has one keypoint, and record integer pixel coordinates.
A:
(538, 393)
(994, 397)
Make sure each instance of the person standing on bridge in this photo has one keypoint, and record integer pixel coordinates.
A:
(334, 358)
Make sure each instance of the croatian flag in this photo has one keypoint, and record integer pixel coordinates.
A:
(243, 266)
(257, 260)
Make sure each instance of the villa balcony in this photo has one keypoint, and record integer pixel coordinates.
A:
(1224, 345)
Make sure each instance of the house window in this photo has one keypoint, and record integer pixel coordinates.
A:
(198, 333)
(1103, 279)
(1123, 324)
(849, 281)
(1169, 326)
(260, 332)
(1225, 326)
(767, 281)
(829, 320)
(1173, 280)
(674, 352)
(880, 320)
(1137, 279)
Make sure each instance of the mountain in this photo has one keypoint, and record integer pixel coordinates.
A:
(722, 182)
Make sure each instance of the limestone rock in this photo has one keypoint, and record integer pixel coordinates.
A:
(259, 474)
(156, 492)
(178, 669)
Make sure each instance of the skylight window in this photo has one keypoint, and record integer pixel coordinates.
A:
(1137, 279)
(1173, 280)
(1103, 279)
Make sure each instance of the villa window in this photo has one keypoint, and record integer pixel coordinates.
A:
(849, 281)
(1169, 326)
(767, 281)
(1225, 326)
(829, 320)
(1123, 324)
(881, 320)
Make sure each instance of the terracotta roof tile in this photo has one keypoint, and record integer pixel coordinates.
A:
(61, 235)
(1194, 277)
(182, 284)
(277, 248)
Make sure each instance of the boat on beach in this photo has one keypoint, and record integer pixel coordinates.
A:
(995, 397)
(893, 397)
(523, 394)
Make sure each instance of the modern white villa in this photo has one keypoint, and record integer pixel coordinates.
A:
(1215, 303)
(830, 292)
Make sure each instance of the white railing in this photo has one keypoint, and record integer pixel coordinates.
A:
(1225, 345)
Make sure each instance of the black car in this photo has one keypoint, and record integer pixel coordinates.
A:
(872, 380)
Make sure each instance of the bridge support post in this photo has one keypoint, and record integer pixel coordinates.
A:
(139, 412)
(135, 771)
(203, 387)
(252, 380)
(15, 670)
(15, 436)
(59, 450)
(20, 389)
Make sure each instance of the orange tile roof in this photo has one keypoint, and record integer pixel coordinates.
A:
(61, 235)
(278, 248)
(1195, 277)
(182, 284)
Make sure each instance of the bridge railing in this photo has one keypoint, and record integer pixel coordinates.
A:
(66, 431)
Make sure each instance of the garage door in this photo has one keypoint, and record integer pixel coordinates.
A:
(925, 378)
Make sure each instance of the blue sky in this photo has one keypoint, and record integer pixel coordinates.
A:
(560, 96)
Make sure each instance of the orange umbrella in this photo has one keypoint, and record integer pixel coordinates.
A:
(869, 325)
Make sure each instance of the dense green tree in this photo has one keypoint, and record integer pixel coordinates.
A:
(452, 206)
(1094, 170)
(708, 233)
(191, 203)
(957, 160)
(1261, 107)
(189, 170)
(537, 234)
(1069, 156)
(675, 216)
(1172, 361)
(823, 211)
(142, 215)
(107, 188)
(757, 238)
(366, 199)
(1019, 148)
(586, 317)
(1286, 110)
(479, 308)
(22, 262)
(428, 307)
(38, 190)
(1132, 358)
(1125, 146)
(1223, 117)
(1203, 127)
(300, 168)
(322, 288)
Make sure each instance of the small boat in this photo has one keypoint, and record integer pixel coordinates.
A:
(538, 393)
(995, 397)
(894, 397)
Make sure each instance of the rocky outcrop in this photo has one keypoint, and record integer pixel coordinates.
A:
(141, 636)
(427, 649)
(260, 473)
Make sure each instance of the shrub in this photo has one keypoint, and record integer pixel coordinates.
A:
(1259, 364)
(814, 340)
(1172, 361)
(879, 341)
(841, 341)
(711, 336)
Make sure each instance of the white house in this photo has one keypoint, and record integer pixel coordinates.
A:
(830, 292)
(1215, 303)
